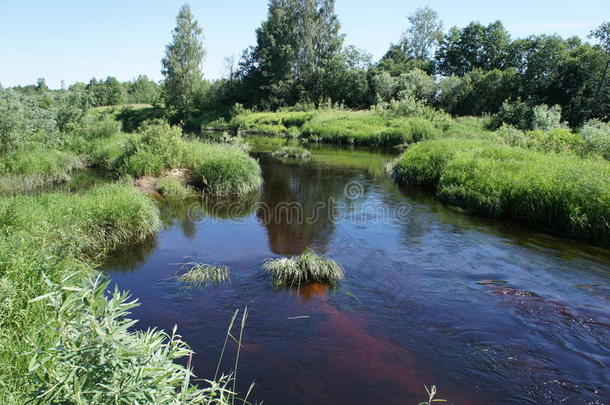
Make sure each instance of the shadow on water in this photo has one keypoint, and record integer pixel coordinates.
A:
(490, 312)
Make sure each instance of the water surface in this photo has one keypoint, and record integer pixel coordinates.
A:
(490, 312)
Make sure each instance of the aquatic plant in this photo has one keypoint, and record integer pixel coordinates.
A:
(203, 275)
(431, 394)
(292, 152)
(306, 268)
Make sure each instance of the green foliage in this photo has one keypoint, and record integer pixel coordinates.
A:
(22, 121)
(474, 47)
(27, 170)
(596, 135)
(295, 55)
(545, 118)
(107, 92)
(157, 148)
(523, 116)
(221, 169)
(96, 358)
(554, 140)
(59, 236)
(182, 63)
(366, 128)
(143, 91)
(306, 268)
(424, 33)
(557, 192)
(173, 189)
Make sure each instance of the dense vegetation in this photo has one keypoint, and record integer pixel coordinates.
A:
(558, 192)
(512, 128)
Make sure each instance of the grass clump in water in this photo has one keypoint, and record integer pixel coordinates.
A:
(304, 269)
(204, 275)
(292, 152)
(173, 189)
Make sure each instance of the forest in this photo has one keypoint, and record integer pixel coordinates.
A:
(494, 126)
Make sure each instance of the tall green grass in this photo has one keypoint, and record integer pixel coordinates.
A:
(28, 169)
(339, 126)
(53, 237)
(64, 340)
(218, 168)
(556, 192)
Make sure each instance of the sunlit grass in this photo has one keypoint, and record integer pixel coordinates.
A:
(292, 152)
(306, 268)
(556, 192)
(204, 275)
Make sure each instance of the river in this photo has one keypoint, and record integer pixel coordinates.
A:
(490, 312)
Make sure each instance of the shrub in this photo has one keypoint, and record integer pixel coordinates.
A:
(306, 268)
(596, 136)
(58, 237)
(104, 127)
(545, 118)
(95, 357)
(554, 140)
(155, 150)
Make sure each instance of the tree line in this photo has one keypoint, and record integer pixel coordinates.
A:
(300, 60)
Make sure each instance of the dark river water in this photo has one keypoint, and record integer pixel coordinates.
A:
(488, 311)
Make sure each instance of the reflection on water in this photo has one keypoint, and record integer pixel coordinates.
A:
(418, 305)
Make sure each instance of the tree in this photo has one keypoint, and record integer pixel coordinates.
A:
(474, 47)
(424, 33)
(143, 90)
(297, 48)
(41, 85)
(602, 34)
(182, 63)
(267, 68)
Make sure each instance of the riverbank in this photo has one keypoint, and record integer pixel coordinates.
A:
(555, 192)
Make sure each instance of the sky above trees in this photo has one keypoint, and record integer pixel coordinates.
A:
(73, 40)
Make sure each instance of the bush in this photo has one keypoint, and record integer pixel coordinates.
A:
(557, 192)
(596, 136)
(102, 128)
(525, 117)
(96, 358)
(545, 118)
(555, 140)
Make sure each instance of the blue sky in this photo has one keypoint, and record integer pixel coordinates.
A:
(74, 40)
